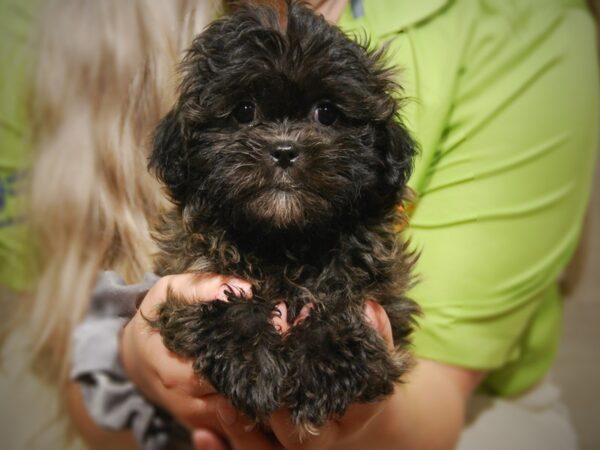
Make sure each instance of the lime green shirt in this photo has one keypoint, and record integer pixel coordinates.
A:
(15, 24)
(503, 101)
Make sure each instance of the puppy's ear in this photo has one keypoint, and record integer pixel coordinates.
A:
(397, 153)
(168, 155)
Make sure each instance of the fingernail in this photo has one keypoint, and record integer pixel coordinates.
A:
(226, 412)
(233, 288)
(222, 292)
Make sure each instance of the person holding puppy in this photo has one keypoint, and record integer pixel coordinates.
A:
(507, 125)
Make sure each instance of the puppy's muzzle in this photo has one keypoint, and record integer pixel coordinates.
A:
(284, 154)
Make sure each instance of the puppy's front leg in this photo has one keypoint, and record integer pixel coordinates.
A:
(336, 359)
(233, 345)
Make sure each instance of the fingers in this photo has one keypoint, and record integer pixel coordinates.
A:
(294, 439)
(161, 375)
(378, 318)
(279, 318)
(205, 439)
(146, 359)
(240, 433)
(194, 287)
(194, 413)
(335, 434)
(357, 417)
(175, 372)
(304, 313)
(207, 286)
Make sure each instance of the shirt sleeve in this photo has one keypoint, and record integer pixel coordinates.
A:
(504, 193)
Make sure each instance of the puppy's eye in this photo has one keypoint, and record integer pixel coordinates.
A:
(326, 113)
(244, 112)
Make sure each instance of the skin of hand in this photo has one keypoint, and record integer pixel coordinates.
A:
(424, 413)
(94, 437)
(162, 376)
(332, 10)
(427, 412)
(169, 381)
(239, 434)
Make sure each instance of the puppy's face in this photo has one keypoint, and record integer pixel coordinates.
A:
(282, 129)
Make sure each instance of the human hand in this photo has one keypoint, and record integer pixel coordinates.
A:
(163, 377)
(346, 433)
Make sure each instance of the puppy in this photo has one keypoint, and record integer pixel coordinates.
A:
(286, 161)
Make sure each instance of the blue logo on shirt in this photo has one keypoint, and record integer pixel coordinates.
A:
(10, 187)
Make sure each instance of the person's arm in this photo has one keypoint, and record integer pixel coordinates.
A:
(425, 413)
(169, 381)
(95, 437)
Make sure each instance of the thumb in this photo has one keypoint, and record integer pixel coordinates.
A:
(241, 434)
(378, 319)
(205, 439)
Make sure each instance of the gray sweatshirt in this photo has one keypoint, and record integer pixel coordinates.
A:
(111, 399)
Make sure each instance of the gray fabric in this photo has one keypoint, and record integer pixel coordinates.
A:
(111, 399)
(358, 9)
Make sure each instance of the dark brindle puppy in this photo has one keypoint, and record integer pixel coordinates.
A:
(286, 160)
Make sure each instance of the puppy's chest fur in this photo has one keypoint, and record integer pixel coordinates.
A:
(328, 358)
(337, 271)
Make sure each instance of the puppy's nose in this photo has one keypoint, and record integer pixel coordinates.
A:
(284, 154)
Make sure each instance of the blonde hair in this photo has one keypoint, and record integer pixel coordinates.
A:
(105, 72)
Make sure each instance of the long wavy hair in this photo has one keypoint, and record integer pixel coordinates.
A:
(104, 74)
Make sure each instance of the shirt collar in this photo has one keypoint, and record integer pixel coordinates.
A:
(383, 17)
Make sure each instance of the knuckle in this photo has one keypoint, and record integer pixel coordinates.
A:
(168, 381)
(157, 292)
(165, 281)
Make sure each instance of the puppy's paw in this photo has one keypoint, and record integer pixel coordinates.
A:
(336, 361)
(234, 346)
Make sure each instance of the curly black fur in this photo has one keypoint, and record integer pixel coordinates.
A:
(315, 225)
